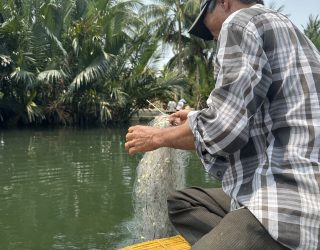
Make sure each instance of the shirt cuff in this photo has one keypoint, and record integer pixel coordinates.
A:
(192, 115)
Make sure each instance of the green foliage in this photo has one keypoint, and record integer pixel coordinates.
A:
(313, 30)
(69, 57)
(93, 62)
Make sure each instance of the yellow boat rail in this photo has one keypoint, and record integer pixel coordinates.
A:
(171, 243)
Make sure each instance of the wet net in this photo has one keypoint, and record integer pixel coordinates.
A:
(158, 173)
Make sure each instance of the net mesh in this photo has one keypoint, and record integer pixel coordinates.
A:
(158, 173)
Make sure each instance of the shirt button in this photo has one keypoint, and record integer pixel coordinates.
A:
(219, 174)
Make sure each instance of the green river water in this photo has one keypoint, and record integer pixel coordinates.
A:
(70, 188)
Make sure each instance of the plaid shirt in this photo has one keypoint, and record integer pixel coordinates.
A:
(261, 130)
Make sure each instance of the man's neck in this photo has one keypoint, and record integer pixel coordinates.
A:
(237, 5)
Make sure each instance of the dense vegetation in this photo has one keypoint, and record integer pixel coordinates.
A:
(80, 62)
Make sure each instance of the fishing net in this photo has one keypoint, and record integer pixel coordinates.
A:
(158, 173)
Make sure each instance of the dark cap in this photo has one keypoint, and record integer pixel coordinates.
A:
(198, 27)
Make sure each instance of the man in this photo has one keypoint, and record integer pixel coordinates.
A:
(260, 134)
(181, 104)
(171, 107)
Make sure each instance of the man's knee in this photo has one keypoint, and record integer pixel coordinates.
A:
(174, 195)
(176, 201)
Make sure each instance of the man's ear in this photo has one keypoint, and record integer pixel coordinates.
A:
(226, 4)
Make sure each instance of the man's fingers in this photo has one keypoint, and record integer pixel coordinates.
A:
(130, 129)
(129, 137)
(174, 115)
(129, 146)
(139, 139)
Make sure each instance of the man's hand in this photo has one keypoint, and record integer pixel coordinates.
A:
(179, 117)
(146, 138)
(141, 139)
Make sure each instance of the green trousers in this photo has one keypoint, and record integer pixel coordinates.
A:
(203, 218)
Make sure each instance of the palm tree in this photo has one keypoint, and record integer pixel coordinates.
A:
(91, 59)
(68, 57)
(170, 21)
(134, 72)
(166, 19)
(100, 45)
(21, 48)
(313, 30)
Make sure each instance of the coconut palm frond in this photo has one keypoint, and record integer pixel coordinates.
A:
(312, 30)
(56, 41)
(105, 112)
(98, 69)
(51, 76)
(69, 10)
(145, 57)
(24, 77)
(51, 17)
(34, 112)
(5, 60)
(76, 46)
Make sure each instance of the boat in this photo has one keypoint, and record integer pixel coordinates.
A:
(170, 243)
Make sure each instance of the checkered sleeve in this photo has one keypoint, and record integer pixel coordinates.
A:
(262, 124)
(243, 77)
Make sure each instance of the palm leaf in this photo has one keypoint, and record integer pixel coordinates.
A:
(34, 112)
(5, 60)
(105, 112)
(145, 57)
(24, 77)
(56, 41)
(98, 69)
(312, 30)
(69, 9)
(51, 76)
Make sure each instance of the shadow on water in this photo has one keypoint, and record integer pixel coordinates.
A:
(69, 188)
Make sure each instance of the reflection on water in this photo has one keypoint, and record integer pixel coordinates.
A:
(68, 189)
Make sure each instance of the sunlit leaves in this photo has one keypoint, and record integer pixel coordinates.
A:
(23, 77)
(98, 69)
(313, 30)
(51, 76)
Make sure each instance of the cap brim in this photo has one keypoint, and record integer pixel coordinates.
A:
(198, 27)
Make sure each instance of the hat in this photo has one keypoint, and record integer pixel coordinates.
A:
(198, 27)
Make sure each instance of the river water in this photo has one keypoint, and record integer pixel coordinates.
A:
(70, 188)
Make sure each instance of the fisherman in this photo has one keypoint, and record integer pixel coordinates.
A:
(171, 107)
(260, 134)
(181, 104)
